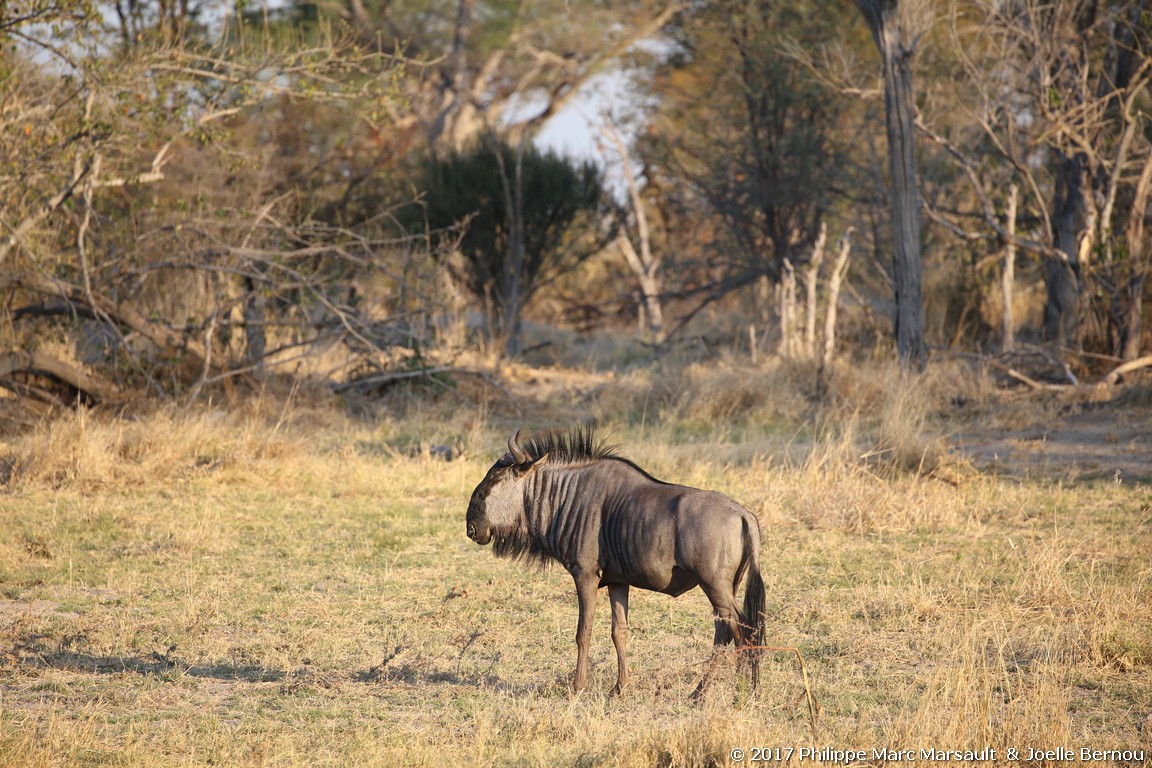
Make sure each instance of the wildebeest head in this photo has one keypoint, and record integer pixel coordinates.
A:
(497, 506)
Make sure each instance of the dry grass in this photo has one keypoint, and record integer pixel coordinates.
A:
(81, 452)
(282, 586)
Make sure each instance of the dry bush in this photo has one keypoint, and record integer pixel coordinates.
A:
(832, 488)
(870, 414)
(1101, 623)
(707, 396)
(726, 394)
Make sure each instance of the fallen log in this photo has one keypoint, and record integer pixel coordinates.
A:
(35, 363)
(1128, 367)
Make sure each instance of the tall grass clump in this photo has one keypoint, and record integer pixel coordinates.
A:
(978, 696)
(706, 396)
(893, 414)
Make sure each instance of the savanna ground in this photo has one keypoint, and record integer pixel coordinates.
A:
(282, 583)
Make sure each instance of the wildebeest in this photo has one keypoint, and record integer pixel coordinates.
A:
(569, 499)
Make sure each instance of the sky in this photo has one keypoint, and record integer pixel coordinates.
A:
(577, 130)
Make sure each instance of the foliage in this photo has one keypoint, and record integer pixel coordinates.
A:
(772, 167)
(188, 197)
(772, 170)
(1053, 102)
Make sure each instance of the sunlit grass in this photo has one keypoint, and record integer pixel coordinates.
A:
(225, 588)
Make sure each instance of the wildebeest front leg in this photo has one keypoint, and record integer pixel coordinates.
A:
(586, 594)
(618, 594)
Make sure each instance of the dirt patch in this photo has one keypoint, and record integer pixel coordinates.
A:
(12, 611)
(1088, 443)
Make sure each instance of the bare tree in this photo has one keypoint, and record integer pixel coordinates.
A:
(793, 342)
(177, 285)
(835, 282)
(743, 197)
(811, 277)
(1008, 277)
(479, 67)
(1055, 95)
(514, 277)
(643, 264)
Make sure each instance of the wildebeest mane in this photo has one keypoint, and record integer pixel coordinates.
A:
(579, 444)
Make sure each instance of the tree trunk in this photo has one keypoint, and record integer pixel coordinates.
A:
(1132, 321)
(900, 110)
(1008, 276)
(1062, 310)
(835, 280)
(35, 362)
(811, 280)
(644, 264)
(255, 335)
(513, 277)
(644, 270)
(787, 291)
(457, 119)
(1139, 257)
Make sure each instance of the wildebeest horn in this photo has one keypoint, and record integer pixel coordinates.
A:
(515, 449)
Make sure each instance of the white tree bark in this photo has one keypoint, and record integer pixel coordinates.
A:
(1008, 276)
(788, 310)
(643, 264)
(835, 281)
(811, 280)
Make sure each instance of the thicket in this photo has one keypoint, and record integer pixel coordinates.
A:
(199, 197)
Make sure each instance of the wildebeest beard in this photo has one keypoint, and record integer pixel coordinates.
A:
(518, 543)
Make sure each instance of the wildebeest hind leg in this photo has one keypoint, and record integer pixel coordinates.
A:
(728, 630)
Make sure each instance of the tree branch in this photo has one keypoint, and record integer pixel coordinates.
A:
(988, 210)
(79, 172)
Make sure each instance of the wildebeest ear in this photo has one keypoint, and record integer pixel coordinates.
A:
(533, 464)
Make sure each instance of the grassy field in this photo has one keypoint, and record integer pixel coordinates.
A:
(295, 588)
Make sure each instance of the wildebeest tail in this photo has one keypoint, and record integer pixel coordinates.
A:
(754, 598)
